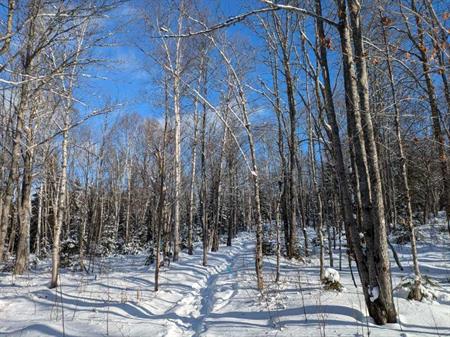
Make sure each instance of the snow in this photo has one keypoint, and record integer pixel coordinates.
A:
(218, 300)
(374, 294)
(332, 275)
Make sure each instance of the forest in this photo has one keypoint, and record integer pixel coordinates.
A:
(224, 167)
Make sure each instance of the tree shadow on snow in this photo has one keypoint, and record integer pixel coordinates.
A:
(38, 329)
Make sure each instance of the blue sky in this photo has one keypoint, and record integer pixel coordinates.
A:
(127, 75)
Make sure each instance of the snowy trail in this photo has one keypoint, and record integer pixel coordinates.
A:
(119, 301)
(207, 302)
(222, 287)
(217, 300)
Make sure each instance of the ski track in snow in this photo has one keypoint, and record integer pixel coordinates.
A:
(217, 300)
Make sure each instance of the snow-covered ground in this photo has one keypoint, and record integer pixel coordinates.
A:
(218, 300)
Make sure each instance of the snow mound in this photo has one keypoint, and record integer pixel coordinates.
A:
(428, 289)
(332, 275)
(331, 280)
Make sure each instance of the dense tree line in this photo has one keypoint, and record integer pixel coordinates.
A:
(334, 116)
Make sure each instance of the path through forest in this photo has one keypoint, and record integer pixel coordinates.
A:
(218, 300)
